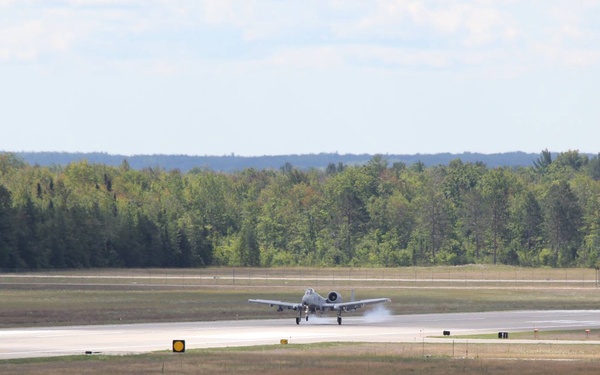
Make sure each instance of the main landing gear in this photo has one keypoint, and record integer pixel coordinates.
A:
(299, 318)
(307, 314)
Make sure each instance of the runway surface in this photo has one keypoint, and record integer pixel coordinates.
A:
(376, 327)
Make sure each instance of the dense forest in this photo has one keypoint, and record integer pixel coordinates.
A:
(377, 214)
(233, 163)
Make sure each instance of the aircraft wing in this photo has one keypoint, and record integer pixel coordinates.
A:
(345, 306)
(281, 305)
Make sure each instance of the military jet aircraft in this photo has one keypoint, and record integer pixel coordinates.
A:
(313, 302)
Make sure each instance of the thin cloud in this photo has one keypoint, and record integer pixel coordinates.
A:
(28, 40)
(318, 34)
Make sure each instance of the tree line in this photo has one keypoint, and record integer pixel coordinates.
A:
(376, 214)
(232, 163)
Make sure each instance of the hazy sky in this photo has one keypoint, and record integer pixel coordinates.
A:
(253, 77)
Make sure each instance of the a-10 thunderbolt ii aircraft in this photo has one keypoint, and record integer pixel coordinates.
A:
(313, 302)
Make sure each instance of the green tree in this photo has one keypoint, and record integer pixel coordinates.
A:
(593, 167)
(434, 208)
(474, 220)
(587, 191)
(28, 241)
(527, 222)
(496, 191)
(346, 196)
(247, 248)
(460, 179)
(563, 219)
(9, 259)
(543, 162)
(572, 159)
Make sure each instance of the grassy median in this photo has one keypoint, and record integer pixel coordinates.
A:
(135, 296)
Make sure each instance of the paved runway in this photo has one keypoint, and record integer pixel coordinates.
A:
(137, 338)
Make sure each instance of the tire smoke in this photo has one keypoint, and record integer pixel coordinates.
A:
(378, 314)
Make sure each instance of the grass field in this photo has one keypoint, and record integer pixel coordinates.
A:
(129, 296)
(133, 296)
(332, 358)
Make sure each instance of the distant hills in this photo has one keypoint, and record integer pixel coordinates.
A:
(231, 163)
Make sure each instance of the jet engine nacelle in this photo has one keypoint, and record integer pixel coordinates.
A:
(334, 297)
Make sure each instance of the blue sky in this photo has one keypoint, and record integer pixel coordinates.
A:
(252, 77)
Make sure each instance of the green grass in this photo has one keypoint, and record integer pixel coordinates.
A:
(134, 296)
(323, 276)
(38, 305)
